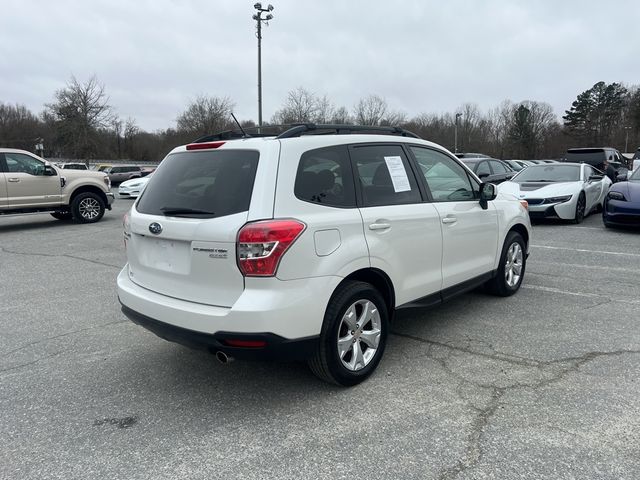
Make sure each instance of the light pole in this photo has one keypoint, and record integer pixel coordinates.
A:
(626, 140)
(259, 20)
(455, 134)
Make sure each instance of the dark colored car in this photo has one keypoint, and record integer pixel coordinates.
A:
(622, 203)
(489, 170)
(596, 158)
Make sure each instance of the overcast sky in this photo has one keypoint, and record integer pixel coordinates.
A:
(423, 56)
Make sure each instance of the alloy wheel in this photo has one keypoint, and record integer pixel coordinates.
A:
(513, 265)
(359, 335)
(89, 208)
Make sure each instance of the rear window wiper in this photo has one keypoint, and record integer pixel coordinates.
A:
(184, 211)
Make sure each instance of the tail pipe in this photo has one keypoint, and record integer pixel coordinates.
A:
(223, 357)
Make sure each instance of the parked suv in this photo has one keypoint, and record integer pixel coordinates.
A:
(303, 246)
(30, 184)
(120, 173)
(596, 158)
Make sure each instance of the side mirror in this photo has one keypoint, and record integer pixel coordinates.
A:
(483, 175)
(49, 171)
(595, 178)
(488, 192)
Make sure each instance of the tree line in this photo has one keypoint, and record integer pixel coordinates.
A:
(80, 123)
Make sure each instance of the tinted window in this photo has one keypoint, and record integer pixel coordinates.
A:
(213, 183)
(446, 179)
(324, 176)
(498, 167)
(482, 169)
(549, 173)
(384, 175)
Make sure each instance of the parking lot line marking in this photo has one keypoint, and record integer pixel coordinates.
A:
(580, 294)
(590, 228)
(588, 251)
(592, 267)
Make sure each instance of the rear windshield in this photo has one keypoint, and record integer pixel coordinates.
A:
(548, 173)
(203, 184)
(592, 156)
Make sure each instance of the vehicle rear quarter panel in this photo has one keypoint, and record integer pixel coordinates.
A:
(333, 244)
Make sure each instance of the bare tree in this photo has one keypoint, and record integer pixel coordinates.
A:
(370, 110)
(206, 115)
(325, 110)
(301, 106)
(341, 116)
(130, 133)
(80, 110)
(499, 121)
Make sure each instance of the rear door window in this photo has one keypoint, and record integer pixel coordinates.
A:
(384, 175)
(203, 184)
(498, 167)
(324, 176)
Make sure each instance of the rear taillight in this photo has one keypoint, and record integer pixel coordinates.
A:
(262, 244)
(204, 145)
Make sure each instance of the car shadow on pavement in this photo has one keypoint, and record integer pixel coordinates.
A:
(172, 371)
(42, 223)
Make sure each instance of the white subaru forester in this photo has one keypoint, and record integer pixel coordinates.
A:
(301, 246)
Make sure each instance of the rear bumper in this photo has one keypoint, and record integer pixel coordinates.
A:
(291, 310)
(276, 347)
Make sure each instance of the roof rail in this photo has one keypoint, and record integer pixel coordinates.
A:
(231, 135)
(298, 130)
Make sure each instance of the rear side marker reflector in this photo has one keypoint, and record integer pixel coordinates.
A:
(204, 145)
(262, 244)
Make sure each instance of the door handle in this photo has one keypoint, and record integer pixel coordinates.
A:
(379, 226)
(449, 220)
(13, 180)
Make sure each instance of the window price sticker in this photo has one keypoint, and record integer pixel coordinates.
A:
(398, 174)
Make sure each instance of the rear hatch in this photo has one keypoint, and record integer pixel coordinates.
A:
(183, 228)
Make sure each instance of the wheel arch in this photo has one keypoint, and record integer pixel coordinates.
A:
(380, 280)
(88, 189)
(522, 230)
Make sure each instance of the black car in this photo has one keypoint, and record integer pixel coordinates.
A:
(489, 170)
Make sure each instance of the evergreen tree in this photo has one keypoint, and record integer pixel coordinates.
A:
(595, 113)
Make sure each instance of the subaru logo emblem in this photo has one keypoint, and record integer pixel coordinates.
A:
(155, 228)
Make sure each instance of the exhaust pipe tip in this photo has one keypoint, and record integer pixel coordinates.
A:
(223, 358)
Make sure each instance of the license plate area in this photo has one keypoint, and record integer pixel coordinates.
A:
(166, 255)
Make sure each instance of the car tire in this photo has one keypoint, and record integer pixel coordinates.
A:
(348, 350)
(62, 215)
(580, 209)
(513, 263)
(87, 207)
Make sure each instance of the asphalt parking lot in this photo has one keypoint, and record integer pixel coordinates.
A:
(545, 384)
